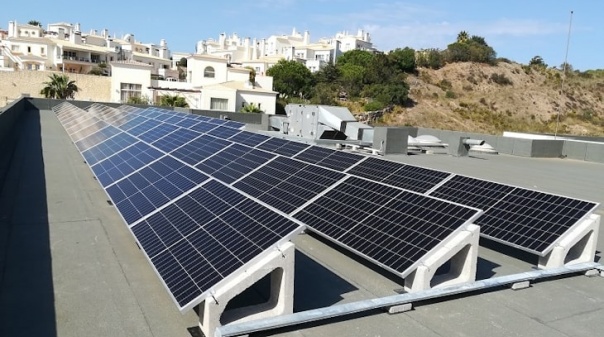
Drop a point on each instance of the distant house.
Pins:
(212, 84)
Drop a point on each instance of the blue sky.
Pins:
(517, 30)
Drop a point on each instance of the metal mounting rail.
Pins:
(238, 329)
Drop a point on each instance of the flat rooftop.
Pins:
(70, 266)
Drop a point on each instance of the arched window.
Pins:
(208, 72)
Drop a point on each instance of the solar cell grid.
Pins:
(287, 184)
(156, 133)
(143, 127)
(200, 149)
(144, 191)
(97, 137)
(223, 132)
(249, 138)
(175, 119)
(133, 123)
(234, 162)
(88, 130)
(337, 160)
(123, 119)
(413, 178)
(175, 139)
(283, 147)
(124, 163)
(530, 220)
(107, 148)
(223, 231)
(203, 127)
(395, 228)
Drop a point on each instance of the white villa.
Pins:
(63, 47)
(212, 84)
(264, 53)
(137, 69)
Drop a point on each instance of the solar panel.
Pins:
(391, 227)
(249, 138)
(143, 127)
(234, 162)
(156, 133)
(89, 130)
(529, 220)
(207, 235)
(175, 139)
(287, 184)
(283, 147)
(107, 148)
(200, 149)
(337, 160)
(124, 163)
(97, 137)
(223, 132)
(409, 177)
(153, 186)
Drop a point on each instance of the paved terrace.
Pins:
(70, 267)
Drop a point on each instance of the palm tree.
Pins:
(59, 87)
(175, 101)
(462, 36)
(252, 107)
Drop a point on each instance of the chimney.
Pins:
(105, 33)
(306, 37)
(76, 29)
(76, 37)
(12, 28)
(222, 40)
(163, 49)
(254, 50)
(263, 47)
(246, 45)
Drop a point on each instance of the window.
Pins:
(219, 104)
(129, 90)
(209, 72)
(28, 49)
(42, 51)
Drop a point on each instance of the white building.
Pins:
(212, 84)
(63, 47)
(263, 53)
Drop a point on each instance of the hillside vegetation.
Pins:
(464, 87)
(506, 97)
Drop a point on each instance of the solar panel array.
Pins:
(195, 230)
(186, 162)
(165, 171)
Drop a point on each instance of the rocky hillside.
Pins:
(507, 97)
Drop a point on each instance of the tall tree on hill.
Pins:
(59, 87)
(404, 59)
(291, 79)
(462, 37)
(34, 23)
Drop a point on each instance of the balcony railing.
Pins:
(80, 59)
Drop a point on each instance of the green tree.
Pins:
(462, 37)
(35, 23)
(356, 57)
(173, 100)
(404, 59)
(430, 58)
(537, 61)
(59, 87)
(352, 77)
(182, 62)
(291, 78)
(327, 74)
(141, 100)
(252, 75)
(252, 107)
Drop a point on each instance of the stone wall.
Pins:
(15, 83)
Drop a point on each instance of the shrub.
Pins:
(445, 85)
(500, 79)
(450, 94)
(373, 106)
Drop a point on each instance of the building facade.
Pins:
(261, 54)
(64, 47)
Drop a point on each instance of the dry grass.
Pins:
(506, 97)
